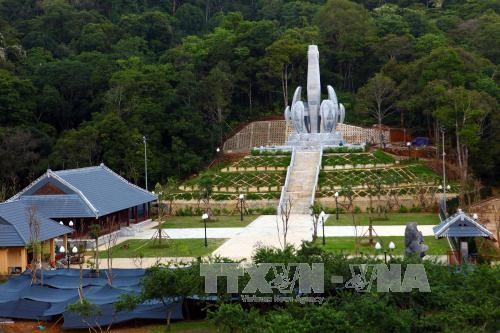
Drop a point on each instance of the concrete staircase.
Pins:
(302, 182)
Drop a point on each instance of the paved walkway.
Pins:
(263, 231)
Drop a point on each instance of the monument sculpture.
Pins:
(314, 121)
(414, 241)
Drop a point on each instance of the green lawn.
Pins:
(169, 248)
(347, 245)
(393, 219)
(223, 221)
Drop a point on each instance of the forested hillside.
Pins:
(81, 81)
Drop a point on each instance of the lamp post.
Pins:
(408, 144)
(322, 217)
(74, 250)
(204, 217)
(443, 188)
(336, 195)
(241, 197)
(145, 162)
(217, 156)
(62, 249)
(443, 131)
(392, 246)
(378, 247)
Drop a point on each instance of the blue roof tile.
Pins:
(59, 205)
(14, 225)
(460, 225)
(89, 192)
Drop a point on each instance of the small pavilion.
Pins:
(82, 197)
(460, 228)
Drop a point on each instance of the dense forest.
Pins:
(82, 81)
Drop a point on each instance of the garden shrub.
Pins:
(333, 150)
(263, 211)
(257, 152)
(186, 211)
(221, 196)
(402, 209)
(415, 209)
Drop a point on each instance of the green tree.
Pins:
(464, 111)
(378, 98)
(287, 53)
(347, 31)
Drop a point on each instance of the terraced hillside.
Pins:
(259, 176)
(373, 172)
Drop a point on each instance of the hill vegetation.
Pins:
(81, 82)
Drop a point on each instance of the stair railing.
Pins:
(284, 189)
(316, 176)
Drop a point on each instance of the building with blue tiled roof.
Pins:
(86, 196)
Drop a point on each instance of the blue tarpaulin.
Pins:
(420, 141)
(21, 299)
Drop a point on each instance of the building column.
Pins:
(4, 262)
(24, 259)
(65, 242)
(52, 247)
(136, 214)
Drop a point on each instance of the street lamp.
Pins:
(204, 217)
(71, 224)
(408, 144)
(61, 223)
(62, 249)
(74, 250)
(145, 162)
(217, 156)
(378, 247)
(444, 188)
(336, 195)
(474, 216)
(241, 197)
(322, 217)
(443, 131)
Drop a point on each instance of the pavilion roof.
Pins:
(460, 225)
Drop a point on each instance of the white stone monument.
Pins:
(315, 123)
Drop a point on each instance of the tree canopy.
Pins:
(83, 81)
